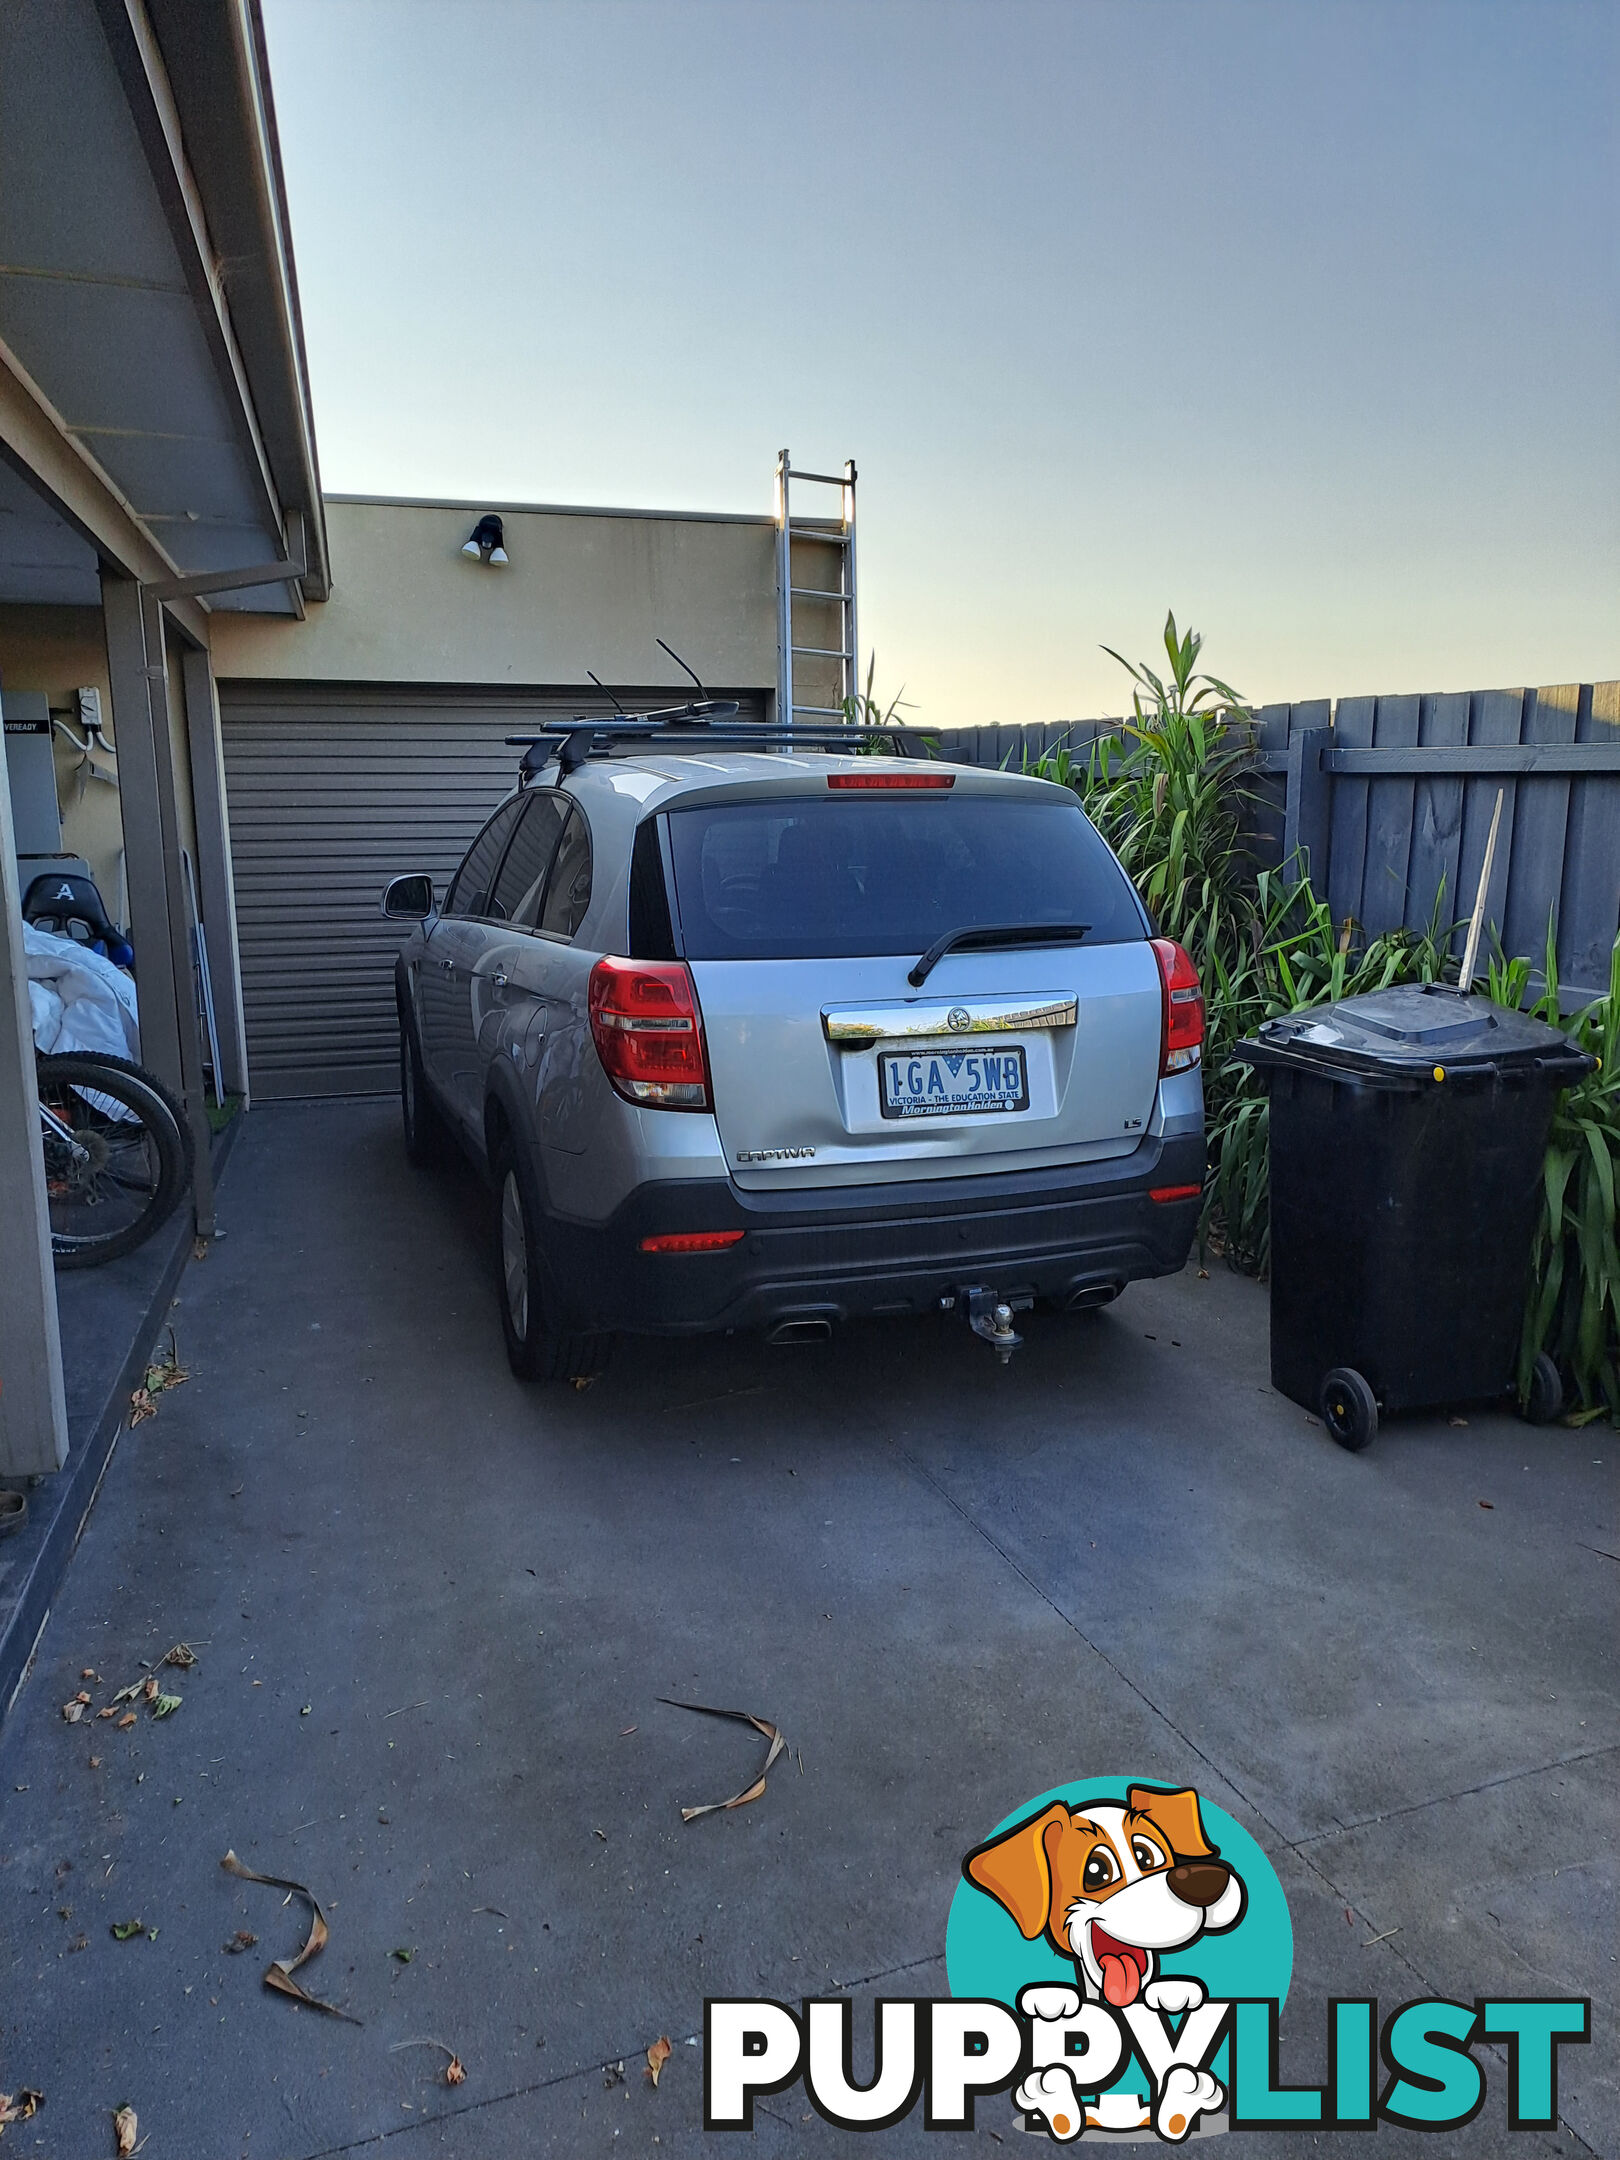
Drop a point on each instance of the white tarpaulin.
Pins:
(78, 1000)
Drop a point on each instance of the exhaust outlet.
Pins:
(809, 1330)
(1091, 1295)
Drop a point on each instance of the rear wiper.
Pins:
(1066, 933)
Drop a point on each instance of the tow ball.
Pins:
(990, 1316)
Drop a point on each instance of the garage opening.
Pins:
(331, 793)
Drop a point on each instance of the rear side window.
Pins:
(840, 878)
(568, 889)
(470, 894)
(652, 936)
(522, 875)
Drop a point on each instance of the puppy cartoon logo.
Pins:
(1133, 1905)
(1113, 1887)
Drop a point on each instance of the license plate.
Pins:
(951, 1083)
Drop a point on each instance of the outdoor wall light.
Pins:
(486, 544)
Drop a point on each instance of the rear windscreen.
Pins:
(837, 879)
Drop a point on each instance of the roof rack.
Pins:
(686, 727)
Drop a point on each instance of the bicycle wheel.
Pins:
(118, 1155)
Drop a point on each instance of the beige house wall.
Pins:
(60, 650)
(585, 591)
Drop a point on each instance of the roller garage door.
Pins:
(332, 793)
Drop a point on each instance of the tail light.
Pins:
(1181, 1035)
(649, 1034)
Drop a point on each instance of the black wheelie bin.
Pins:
(1408, 1129)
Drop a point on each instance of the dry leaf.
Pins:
(149, 1687)
(181, 1655)
(241, 1941)
(454, 2071)
(279, 1972)
(126, 2128)
(126, 1721)
(95, 1762)
(657, 2055)
(128, 1694)
(141, 1407)
(74, 1710)
(126, 1930)
(110, 1711)
(23, 2108)
(763, 1726)
(89, 1674)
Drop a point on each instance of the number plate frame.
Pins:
(909, 1106)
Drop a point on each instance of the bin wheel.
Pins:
(1546, 1396)
(1349, 1407)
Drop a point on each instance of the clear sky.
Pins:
(1300, 316)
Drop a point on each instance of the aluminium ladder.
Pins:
(824, 541)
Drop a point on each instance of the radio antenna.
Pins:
(680, 663)
(606, 692)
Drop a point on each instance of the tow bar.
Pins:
(990, 1316)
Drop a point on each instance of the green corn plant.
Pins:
(1171, 793)
(1573, 1311)
(882, 722)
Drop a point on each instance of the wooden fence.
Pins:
(1388, 800)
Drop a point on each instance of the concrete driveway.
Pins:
(434, 1612)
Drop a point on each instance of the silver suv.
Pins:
(769, 1038)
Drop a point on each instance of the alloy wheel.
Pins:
(515, 1256)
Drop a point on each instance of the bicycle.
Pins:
(118, 1155)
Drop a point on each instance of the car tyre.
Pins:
(536, 1349)
(426, 1135)
(1349, 1407)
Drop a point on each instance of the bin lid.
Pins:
(1413, 1027)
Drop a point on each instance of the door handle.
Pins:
(499, 978)
(449, 966)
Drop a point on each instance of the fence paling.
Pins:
(1389, 800)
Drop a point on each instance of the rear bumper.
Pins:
(875, 1249)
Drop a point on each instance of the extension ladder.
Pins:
(815, 599)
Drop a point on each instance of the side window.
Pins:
(522, 875)
(652, 933)
(470, 893)
(568, 889)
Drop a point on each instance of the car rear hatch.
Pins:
(803, 917)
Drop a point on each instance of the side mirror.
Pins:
(409, 899)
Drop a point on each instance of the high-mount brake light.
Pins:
(688, 1241)
(891, 780)
(1181, 1033)
(648, 1033)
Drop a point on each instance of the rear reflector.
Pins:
(1181, 1037)
(692, 1241)
(1161, 1193)
(891, 780)
(648, 1033)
